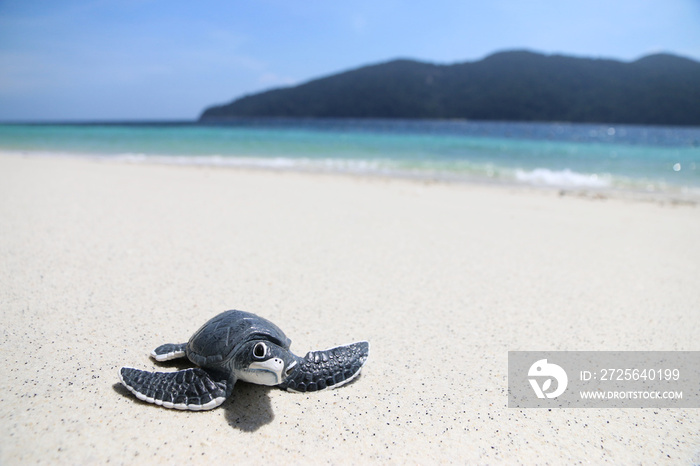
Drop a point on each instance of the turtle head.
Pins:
(263, 362)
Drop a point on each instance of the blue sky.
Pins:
(153, 59)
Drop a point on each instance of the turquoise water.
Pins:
(657, 159)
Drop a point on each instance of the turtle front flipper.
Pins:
(192, 389)
(319, 370)
(169, 351)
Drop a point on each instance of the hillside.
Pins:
(516, 86)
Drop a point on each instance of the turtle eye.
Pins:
(260, 350)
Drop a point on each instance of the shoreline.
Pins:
(102, 262)
(675, 196)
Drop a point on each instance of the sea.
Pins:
(597, 158)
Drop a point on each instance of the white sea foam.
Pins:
(274, 163)
(537, 177)
(562, 178)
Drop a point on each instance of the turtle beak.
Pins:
(269, 372)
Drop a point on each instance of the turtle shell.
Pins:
(219, 338)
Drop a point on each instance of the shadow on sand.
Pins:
(249, 408)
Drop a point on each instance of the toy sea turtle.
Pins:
(237, 345)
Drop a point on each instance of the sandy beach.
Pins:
(100, 262)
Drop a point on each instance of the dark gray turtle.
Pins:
(237, 345)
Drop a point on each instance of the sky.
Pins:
(83, 60)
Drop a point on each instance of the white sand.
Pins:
(100, 262)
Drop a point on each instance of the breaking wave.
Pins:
(562, 178)
(538, 177)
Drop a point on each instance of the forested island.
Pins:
(658, 89)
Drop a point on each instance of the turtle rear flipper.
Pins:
(169, 351)
(320, 370)
(192, 389)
